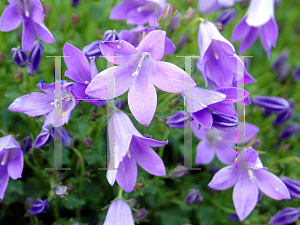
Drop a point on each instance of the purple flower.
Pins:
(130, 148)
(179, 171)
(289, 130)
(283, 116)
(293, 186)
(75, 2)
(193, 197)
(61, 191)
(19, 56)
(119, 212)
(181, 119)
(218, 64)
(175, 22)
(220, 142)
(247, 178)
(138, 12)
(286, 216)
(205, 6)
(140, 214)
(39, 206)
(224, 122)
(280, 61)
(38, 104)
(30, 12)
(226, 17)
(139, 70)
(259, 20)
(35, 57)
(135, 35)
(12, 161)
(81, 72)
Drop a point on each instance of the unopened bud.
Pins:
(175, 22)
(119, 103)
(296, 74)
(226, 17)
(167, 11)
(189, 14)
(280, 61)
(27, 144)
(182, 41)
(111, 35)
(35, 57)
(75, 19)
(181, 119)
(88, 142)
(283, 71)
(179, 171)
(140, 214)
(224, 122)
(193, 197)
(75, 2)
(289, 131)
(19, 56)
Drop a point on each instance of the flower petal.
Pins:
(245, 194)
(205, 152)
(171, 78)
(240, 30)
(199, 133)
(38, 15)
(225, 152)
(151, 142)
(28, 36)
(15, 166)
(118, 52)
(34, 104)
(119, 213)
(203, 117)
(77, 63)
(248, 40)
(4, 180)
(154, 43)
(225, 178)
(10, 18)
(142, 98)
(126, 177)
(120, 11)
(147, 158)
(110, 83)
(271, 185)
(44, 33)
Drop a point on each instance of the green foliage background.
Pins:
(162, 197)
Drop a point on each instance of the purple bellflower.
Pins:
(135, 35)
(247, 178)
(259, 20)
(221, 142)
(139, 70)
(81, 72)
(226, 17)
(286, 216)
(138, 12)
(119, 213)
(38, 104)
(30, 12)
(181, 119)
(193, 197)
(129, 148)
(209, 6)
(273, 104)
(12, 161)
(218, 63)
(293, 186)
(289, 131)
(39, 206)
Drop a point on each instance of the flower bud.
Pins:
(289, 131)
(19, 56)
(61, 191)
(111, 35)
(283, 116)
(224, 122)
(286, 216)
(74, 19)
(280, 61)
(296, 74)
(35, 57)
(283, 71)
(256, 143)
(293, 186)
(92, 49)
(182, 41)
(39, 206)
(273, 104)
(140, 214)
(189, 14)
(175, 22)
(226, 17)
(119, 103)
(193, 197)
(88, 142)
(75, 2)
(233, 217)
(181, 119)
(166, 12)
(27, 144)
(292, 103)
(179, 171)
(45, 137)
(214, 168)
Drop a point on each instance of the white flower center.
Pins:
(138, 60)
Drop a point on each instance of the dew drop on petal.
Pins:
(118, 46)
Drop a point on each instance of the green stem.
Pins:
(223, 208)
(82, 166)
(120, 192)
(162, 148)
